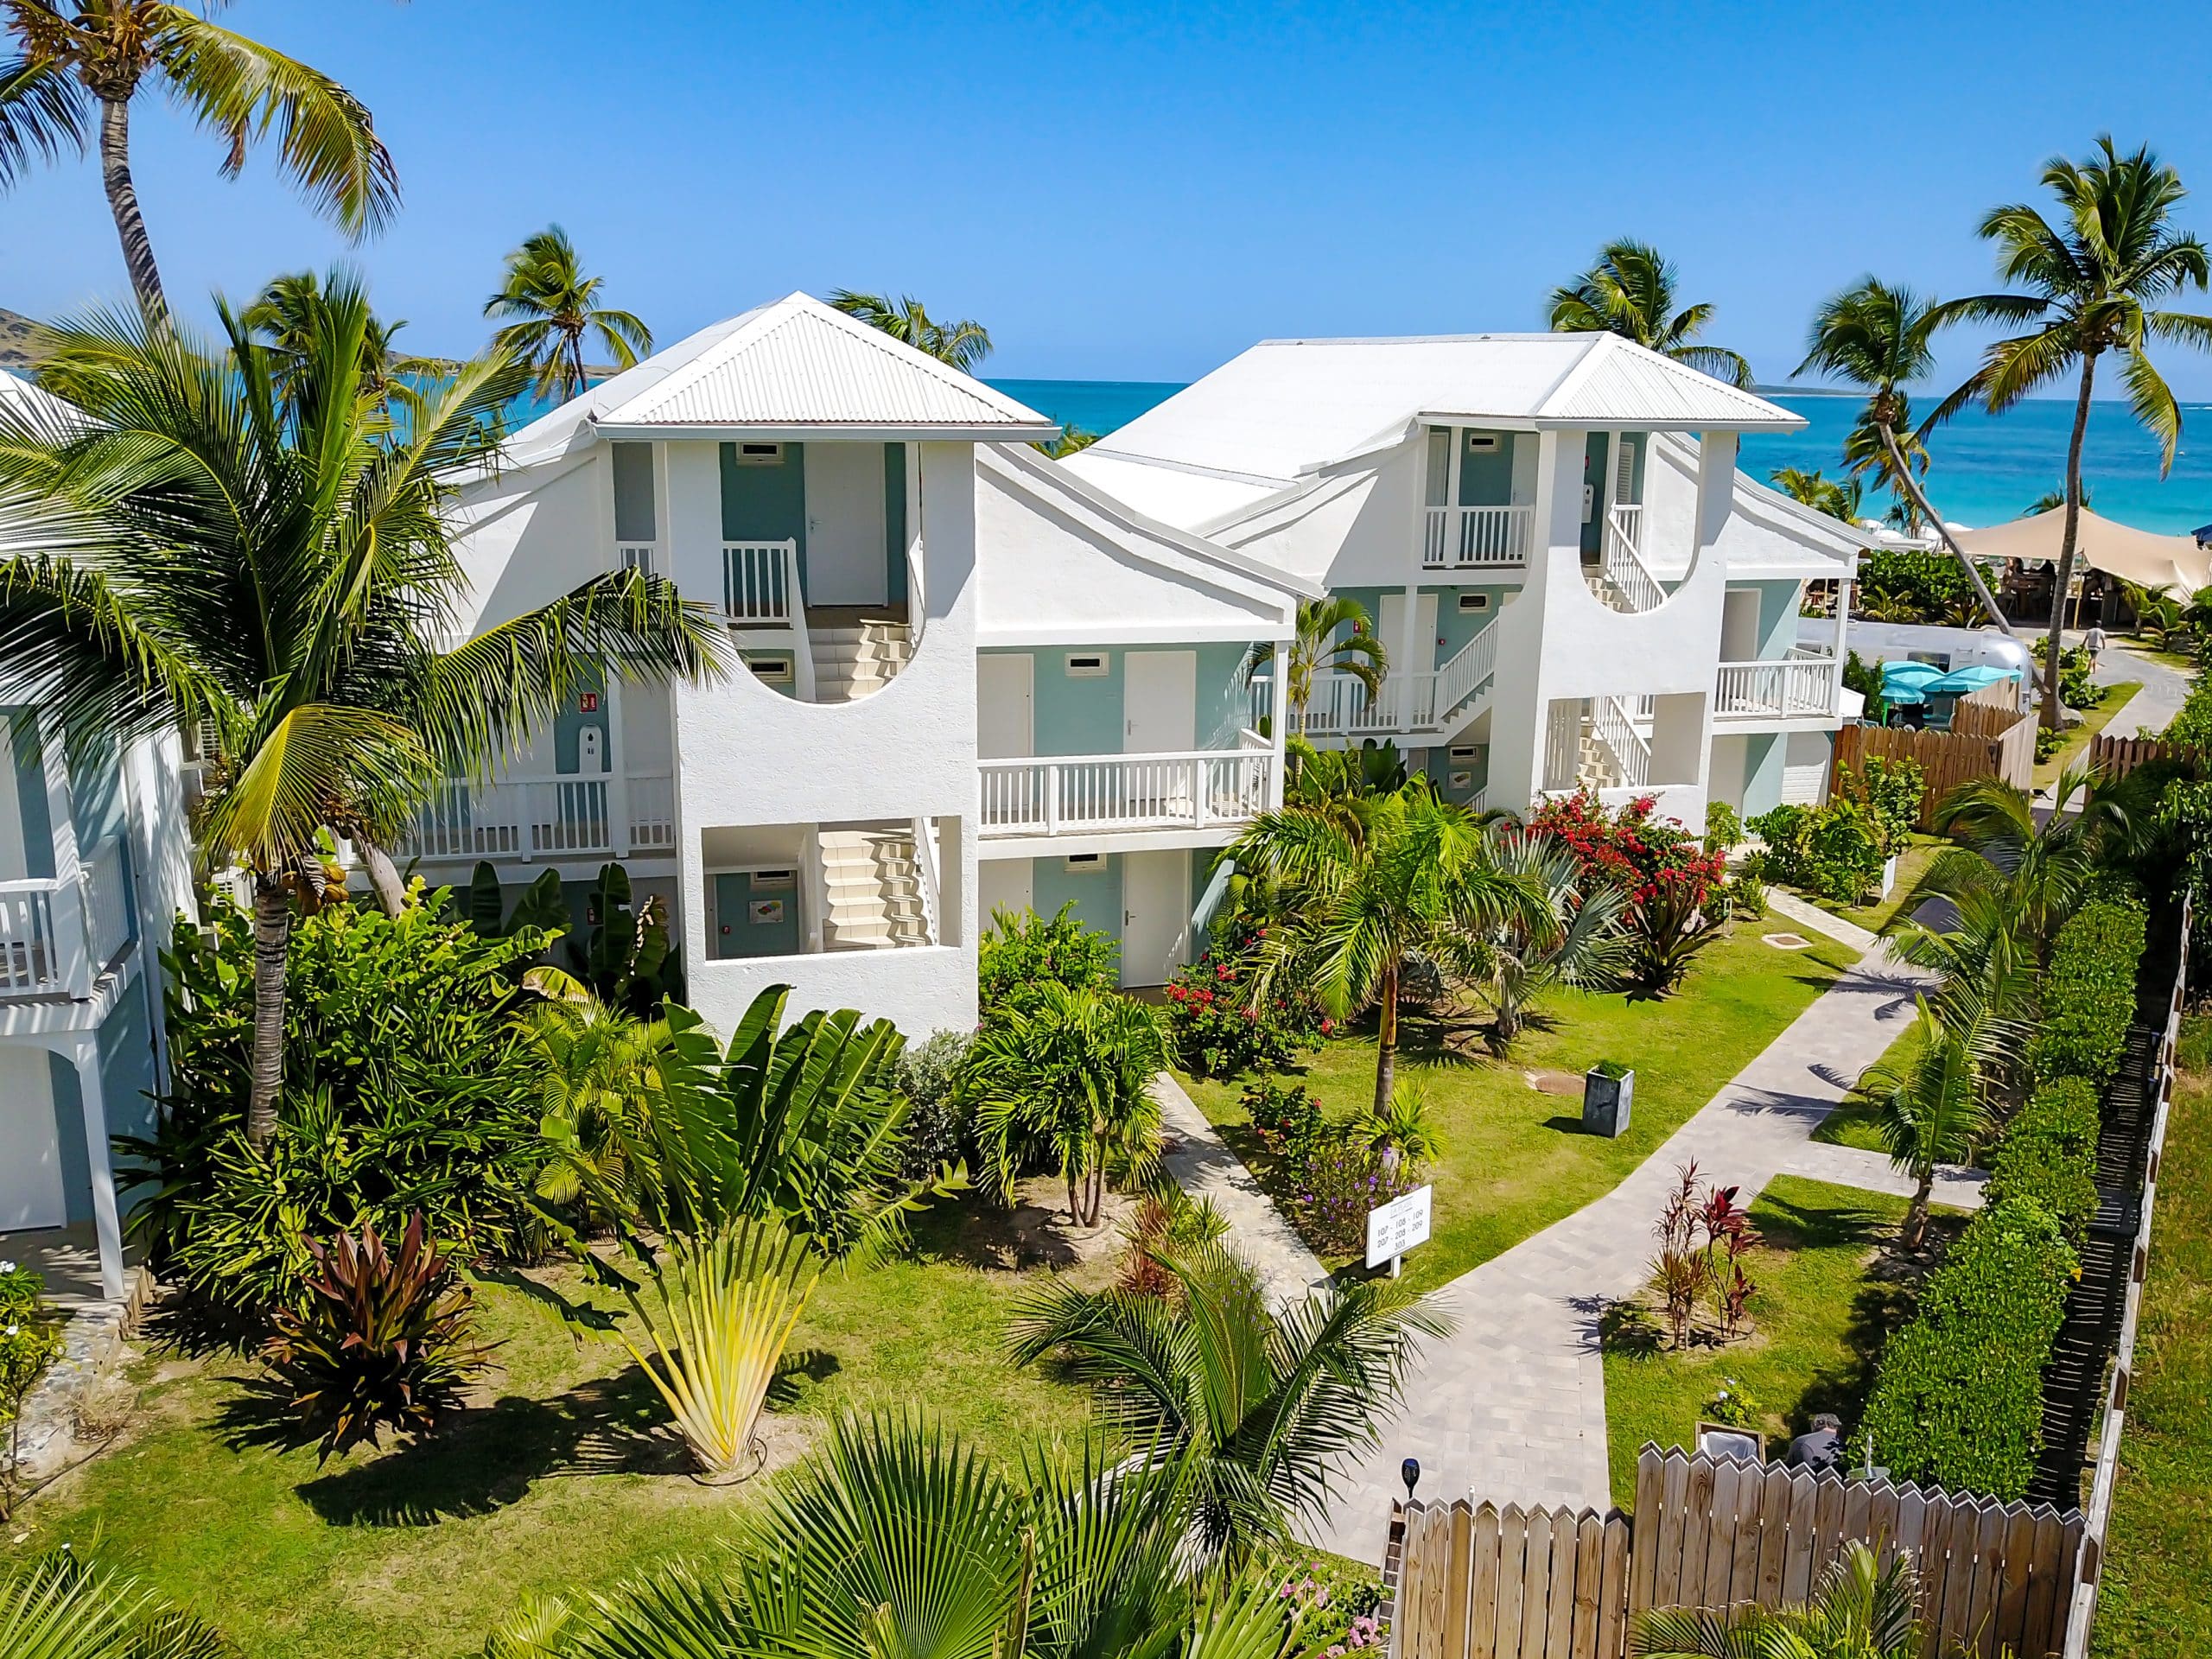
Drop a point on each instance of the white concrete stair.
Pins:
(852, 659)
(874, 888)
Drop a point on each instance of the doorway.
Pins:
(1155, 915)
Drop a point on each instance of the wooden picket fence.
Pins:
(1474, 1581)
(2115, 757)
(1946, 759)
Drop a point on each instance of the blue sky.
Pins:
(1132, 191)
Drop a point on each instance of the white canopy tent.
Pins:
(2173, 565)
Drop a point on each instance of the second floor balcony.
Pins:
(529, 820)
(59, 935)
(1806, 685)
(1077, 794)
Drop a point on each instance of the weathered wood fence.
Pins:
(1988, 738)
(2115, 757)
(1478, 1582)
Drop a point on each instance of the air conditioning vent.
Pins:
(1465, 751)
(1087, 667)
(760, 455)
(775, 670)
(1085, 863)
(1471, 602)
(1482, 443)
(774, 881)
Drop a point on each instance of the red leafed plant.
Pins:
(385, 1342)
(1669, 876)
(1703, 1236)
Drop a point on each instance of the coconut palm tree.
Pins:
(554, 305)
(896, 1539)
(223, 537)
(1264, 1404)
(1067, 1074)
(1580, 943)
(1934, 1103)
(1631, 291)
(1837, 499)
(963, 345)
(285, 314)
(1860, 1610)
(2095, 282)
(1333, 636)
(1369, 888)
(2052, 500)
(1880, 338)
(78, 62)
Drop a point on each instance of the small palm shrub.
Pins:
(384, 1342)
(1860, 1610)
(723, 1306)
(1168, 1222)
(1404, 1130)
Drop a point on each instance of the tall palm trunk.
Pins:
(1916, 1215)
(576, 359)
(123, 202)
(272, 939)
(2052, 713)
(384, 875)
(1386, 1039)
(1904, 471)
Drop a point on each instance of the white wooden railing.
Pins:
(760, 583)
(644, 557)
(1610, 718)
(1341, 706)
(566, 817)
(1065, 794)
(1625, 582)
(1461, 538)
(107, 901)
(30, 954)
(926, 873)
(1803, 683)
(1465, 672)
(56, 937)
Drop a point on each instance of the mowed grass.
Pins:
(2093, 722)
(1514, 1159)
(418, 1550)
(1856, 1123)
(2157, 1598)
(1820, 1319)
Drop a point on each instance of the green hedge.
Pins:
(1958, 1402)
(2049, 1154)
(2087, 993)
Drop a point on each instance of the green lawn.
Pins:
(417, 1550)
(1820, 1317)
(2156, 1599)
(2093, 722)
(1515, 1160)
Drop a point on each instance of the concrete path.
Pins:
(2159, 700)
(1960, 1188)
(1512, 1405)
(1806, 913)
(1204, 1167)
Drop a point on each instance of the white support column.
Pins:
(1279, 721)
(107, 1221)
(1716, 487)
(617, 769)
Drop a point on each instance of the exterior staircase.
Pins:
(855, 654)
(874, 890)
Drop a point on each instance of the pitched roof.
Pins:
(792, 368)
(1289, 407)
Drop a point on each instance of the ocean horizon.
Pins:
(1984, 469)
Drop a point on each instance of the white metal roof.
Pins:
(1287, 407)
(793, 368)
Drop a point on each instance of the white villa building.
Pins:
(978, 677)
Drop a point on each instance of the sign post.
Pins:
(1397, 1227)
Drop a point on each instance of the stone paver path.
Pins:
(1512, 1405)
(1856, 1167)
(1806, 913)
(1206, 1168)
(2159, 700)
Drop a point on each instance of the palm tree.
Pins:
(1370, 888)
(1838, 499)
(2095, 281)
(1860, 1610)
(62, 1606)
(555, 305)
(1333, 636)
(1629, 291)
(76, 60)
(1580, 941)
(1067, 1073)
(284, 315)
(2052, 500)
(1071, 439)
(898, 1540)
(1880, 338)
(2049, 860)
(964, 344)
(1263, 1404)
(250, 544)
(1934, 1103)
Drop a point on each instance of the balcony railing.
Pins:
(760, 587)
(530, 818)
(1804, 683)
(1477, 538)
(1341, 706)
(1073, 794)
(56, 937)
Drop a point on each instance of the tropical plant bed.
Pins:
(1912, 864)
(2077, 737)
(2156, 1598)
(555, 1477)
(1830, 1289)
(1514, 1159)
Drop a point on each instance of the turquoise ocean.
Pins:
(1985, 469)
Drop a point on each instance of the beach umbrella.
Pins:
(1963, 682)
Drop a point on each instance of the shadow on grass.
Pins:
(1883, 1302)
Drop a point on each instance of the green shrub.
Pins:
(1286, 1116)
(1724, 826)
(2049, 1154)
(2049, 741)
(2088, 993)
(935, 1130)
(1217, 1031)
(1019, 952)
(1958, 1400)
(1837, 849)
(407, 1088)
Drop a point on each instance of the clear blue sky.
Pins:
(1133, 192)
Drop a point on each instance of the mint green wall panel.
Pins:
(1778, 617)
(1763, 753)
(736, 934)
(894, 522)
(1596, 451)
(1486, 477)
(1083, 714)
(764, 503)
(568, 727)
(635, 517)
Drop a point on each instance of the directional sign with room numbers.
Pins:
(1398, 1226)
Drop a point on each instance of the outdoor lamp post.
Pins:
(1409, 1471)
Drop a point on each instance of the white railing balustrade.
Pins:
(1627, 581)
(652, 812)
(760, 583)
(31, 962)
(1615, 728)
(1469, 669)
(107, 901)
(1778, 689)
(1462, 538)
(1049, 796)
(644, 557)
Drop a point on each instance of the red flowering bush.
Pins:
(1219, 1032)
(1631, 849)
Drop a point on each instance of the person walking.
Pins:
(2094, 642)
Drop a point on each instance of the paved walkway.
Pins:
(1872, 1171)
(1806, 913)
(2159, 700)
(1206, 1168)
(1512, 1405)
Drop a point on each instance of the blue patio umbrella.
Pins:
(1907, 682)
(1961, 681)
